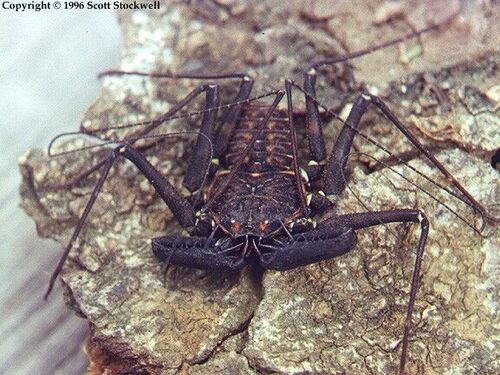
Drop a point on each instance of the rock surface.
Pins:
(340, 315)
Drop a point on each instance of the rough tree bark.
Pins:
(340, 315)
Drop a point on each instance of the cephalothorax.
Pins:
(250, 201)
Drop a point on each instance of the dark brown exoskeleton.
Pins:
(255, 205)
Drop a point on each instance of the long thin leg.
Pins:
(179, 206)
(368, 219)
(368, 50)
(333, 177)
(334, 173)
(231, 118)
(232, 115)
(107, 167)
(220, 141)
(313, 120)
(293, 139)
(203, 151)
(313, 171)
(449, 177)
(173, 75)
(132, 138)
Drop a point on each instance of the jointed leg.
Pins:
(209, 146)
(314, 202)
(132, 138)
(313, 120)
(203, 151)
(449, 177)
(232, 115)
(173, 75)
(179, 206)
(231, 118)
(333, 177)
(293, 140)
(368, 219)
(333, 174)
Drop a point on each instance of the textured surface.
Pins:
(348, 313)
(339, 315)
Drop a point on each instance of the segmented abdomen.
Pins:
(272, 150)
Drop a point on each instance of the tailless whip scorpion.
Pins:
(251, 201)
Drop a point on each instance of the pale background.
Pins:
(49, 61)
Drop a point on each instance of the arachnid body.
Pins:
(257, 205)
